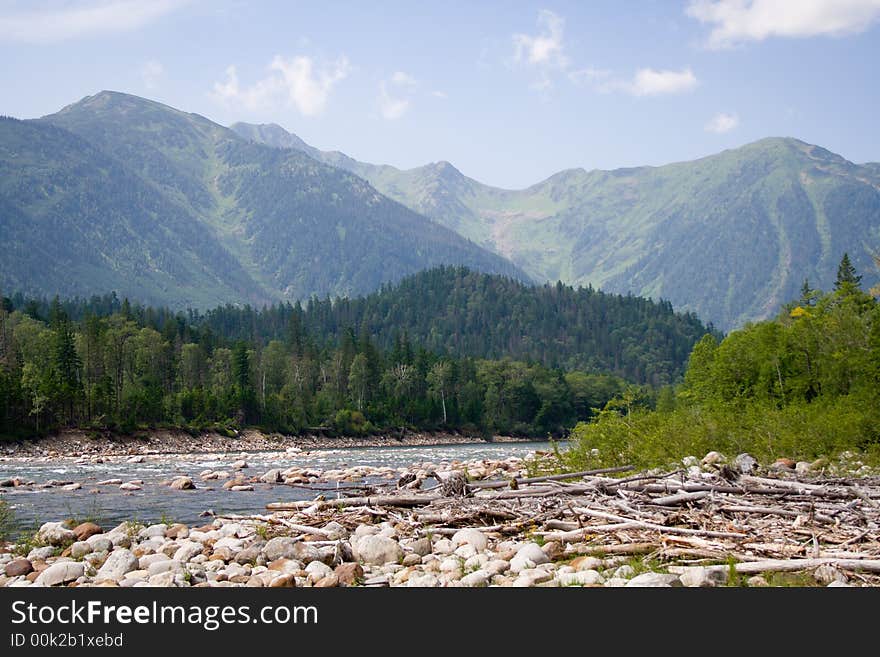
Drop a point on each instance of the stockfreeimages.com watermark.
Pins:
(210, 617)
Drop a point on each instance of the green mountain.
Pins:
(119, 192)
(731, 236)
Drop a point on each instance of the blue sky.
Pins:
(509, 92)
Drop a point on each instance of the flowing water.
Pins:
(109, 506)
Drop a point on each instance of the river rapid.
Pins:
(108, 505)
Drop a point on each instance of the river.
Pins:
(107, 505)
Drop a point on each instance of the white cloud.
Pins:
(544, 49)
(403, 79)
(395, 95)
(82, 19)
(738, 21)
(151, 73)
(391, 107)
(295, 82)
(442, 95)
(650, 82)
(722, 122)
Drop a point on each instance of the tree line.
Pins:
(341, 367)
(802, 385)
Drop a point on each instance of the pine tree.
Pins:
(846, 275)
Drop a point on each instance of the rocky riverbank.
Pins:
(711, 522)
(75, 443)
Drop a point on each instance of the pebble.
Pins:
(654, 580)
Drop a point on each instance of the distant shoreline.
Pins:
(79, 443)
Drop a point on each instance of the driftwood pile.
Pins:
(779, 522)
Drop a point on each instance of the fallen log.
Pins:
(793, 565)
(512, 483)
(660, 528)
(378, 500)
(680, 498)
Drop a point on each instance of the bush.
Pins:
(799, 431)
(7, 521)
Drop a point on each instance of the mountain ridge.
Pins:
(260, 224)
(750, 223)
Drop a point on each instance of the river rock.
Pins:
(837, 583)
(654, 580)
(165, 566)
(378, 550)
(108, 482)
(86, 530)
(473, 537)
(698, 576)
(327, 582)
(581, 578)
(135, 459)
(826, 574)
(528, 556)
(130, 486)
(745, 463)
(318, 570)
(248, 555)
(478, 578)
(586, 563)
(273, 476)
(241, 488)
(182, 483)
(55, 533)
(411, 560)
(421, 546)
(18, 568)
(802, 468)
(349, 574)
(41, 553)
(783, 463)
(61, 573)
(100, 543)
(280, 547)
(283, 582)
(624, 572)
(120, 562)
(423, 581)
(335, 531)
(72, 487)
(239, 465)
(713, 458)
(80, 549)
(187, 551)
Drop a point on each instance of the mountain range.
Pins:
(116, 192)
(731, 236)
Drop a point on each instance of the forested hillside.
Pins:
(118, 192)
(730, 236)
(447, 348)
(803, 385)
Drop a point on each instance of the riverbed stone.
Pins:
(182, 483)
(478, 578)
(473, 537)
(130, 486)
(280, 547)
(60, 573)
(273, 476)
(168, 565)
(654, 580)
(421, 546)
(586, 563)
(423, 581)
(55, 533)
(120, 562)
(86, 530)
(528, 556)
(412, 560)
(699, 577)
(349, 574)
(581, 578)
(80, 549)
(187, 551)
(378, 550)
(745, 463)
(18, 567)
(41, 553)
